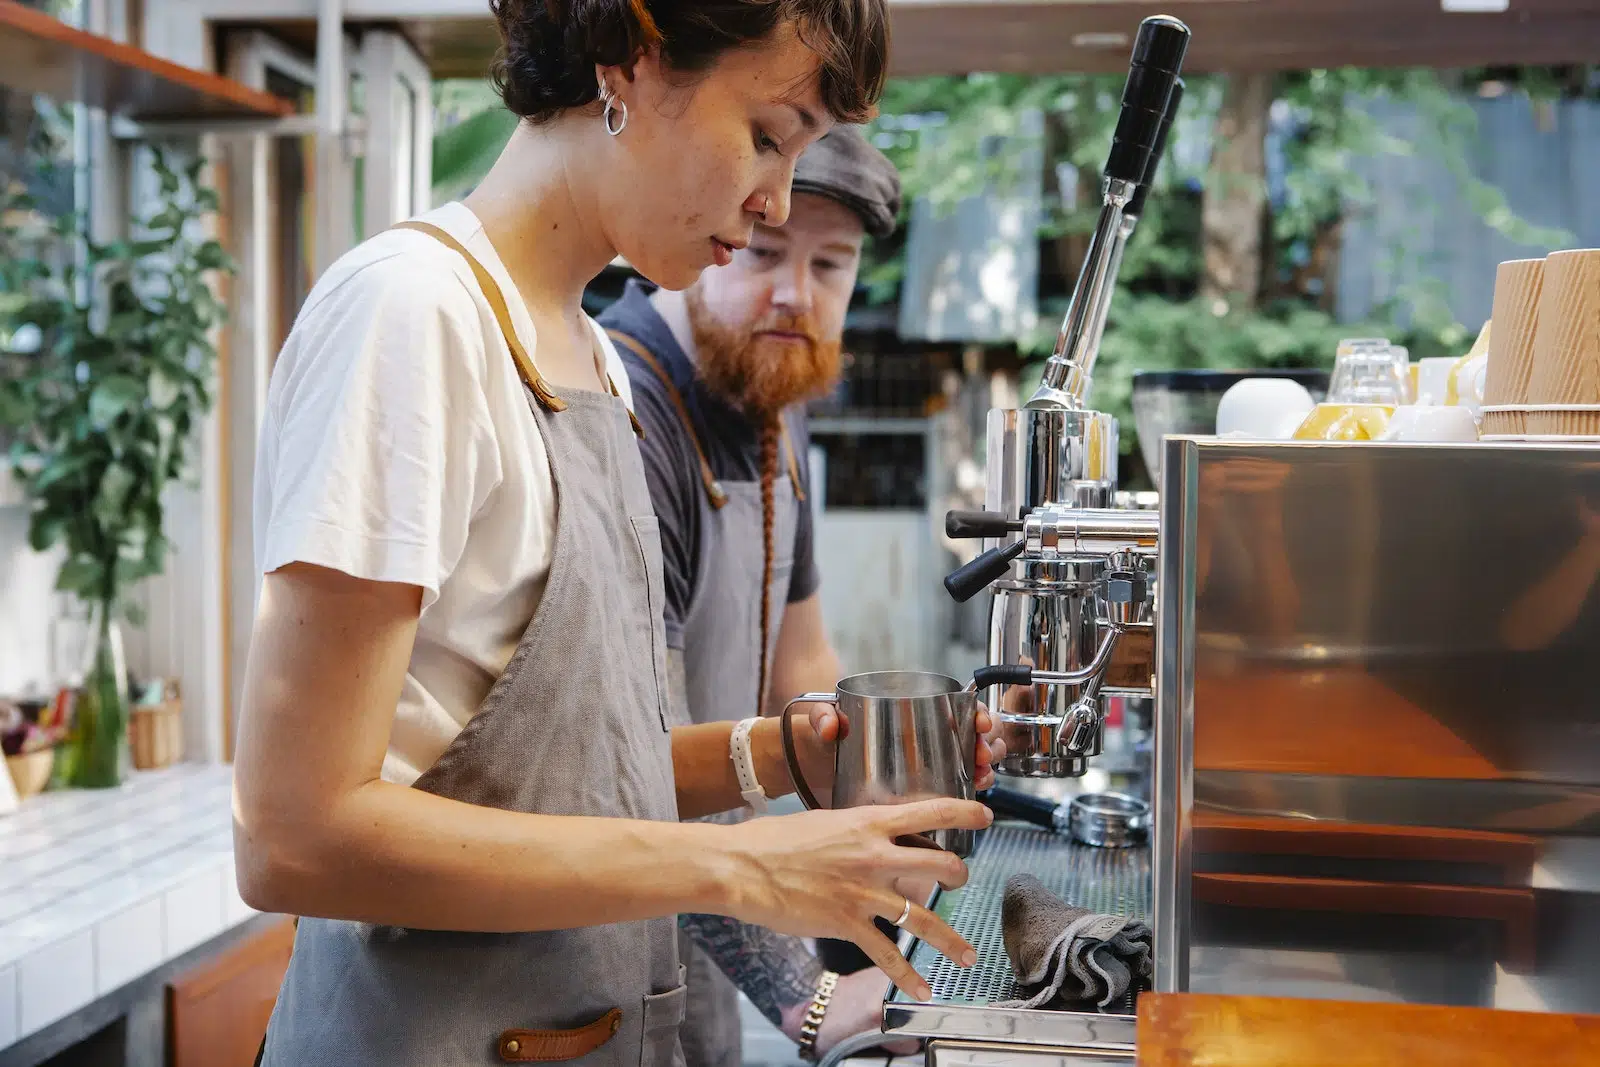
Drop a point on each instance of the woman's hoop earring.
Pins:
(615, 107)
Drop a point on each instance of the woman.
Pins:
(454, 750)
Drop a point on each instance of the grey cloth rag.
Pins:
(844, 166)
(1070, 957)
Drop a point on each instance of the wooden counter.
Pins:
(1197, 1030)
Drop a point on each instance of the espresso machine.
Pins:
(1073, 576)
(1073, 579)
(1375, 757)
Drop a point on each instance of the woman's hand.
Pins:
(831, 873)
(815, 748)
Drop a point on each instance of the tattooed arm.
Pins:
(775, 971)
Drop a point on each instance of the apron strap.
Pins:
(794, 466)
(502, 315)
(713, 489)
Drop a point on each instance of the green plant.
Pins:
(107, 375)
(474, 127)
(935, 130)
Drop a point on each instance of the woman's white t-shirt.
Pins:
(397, 446)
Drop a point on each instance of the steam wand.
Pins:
(1157, 58)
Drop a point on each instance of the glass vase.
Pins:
(100, 725)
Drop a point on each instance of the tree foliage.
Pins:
(936, 130)
(473, 126)
(942, 133)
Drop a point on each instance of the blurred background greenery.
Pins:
(1235, 263)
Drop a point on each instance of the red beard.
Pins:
(759, 374)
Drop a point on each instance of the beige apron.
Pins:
(722, 666)
(577, 725)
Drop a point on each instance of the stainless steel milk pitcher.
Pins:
(905, 736)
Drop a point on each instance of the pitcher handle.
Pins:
(807, 797)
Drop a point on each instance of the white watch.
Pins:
(744, 766)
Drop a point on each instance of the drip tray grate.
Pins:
(1115, 881)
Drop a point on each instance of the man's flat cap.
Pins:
(842, 165)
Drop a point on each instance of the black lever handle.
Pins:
(1136, 205)
(1157, 61)
(978, 524)
(1002, 674)
(964, 584)
(1015, 804)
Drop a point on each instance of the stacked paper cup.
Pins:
(1518, 284)
(1564, 389)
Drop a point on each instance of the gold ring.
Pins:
(904, 915)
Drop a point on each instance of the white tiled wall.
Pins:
(100, 887)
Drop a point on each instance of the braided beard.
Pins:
(759, 374)
(769, 476)
(762, 376)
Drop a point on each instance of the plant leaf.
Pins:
(81, 576)
(164, 390)
(210, 256)
(44, 529)
(112, 397)
(115, 484)
(58, 468)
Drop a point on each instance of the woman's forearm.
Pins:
(398, 856)
(704, 771)
(317, 832)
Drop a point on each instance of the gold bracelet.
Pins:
(813, 1021)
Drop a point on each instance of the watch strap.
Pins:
(744, 766)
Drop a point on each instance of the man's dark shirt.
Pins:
(731, 446)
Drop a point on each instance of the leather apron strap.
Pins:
(714, 491)
(502, 315)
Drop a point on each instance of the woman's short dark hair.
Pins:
(550, 47)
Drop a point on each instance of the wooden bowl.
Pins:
(31, 771)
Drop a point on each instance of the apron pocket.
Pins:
(647, 532)
(663, 1016)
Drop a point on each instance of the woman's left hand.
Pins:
(816, 748)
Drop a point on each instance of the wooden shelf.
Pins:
(1060, 36)
(42, 54)
(951, 36)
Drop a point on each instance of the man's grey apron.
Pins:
(577, 725)
(722, 667)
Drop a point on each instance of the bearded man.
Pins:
(720, 374)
